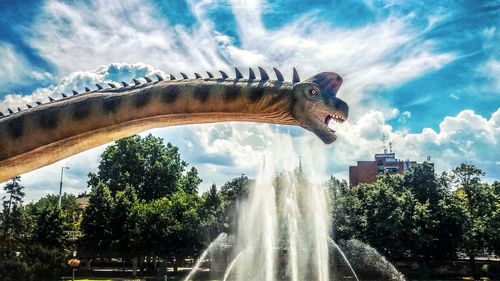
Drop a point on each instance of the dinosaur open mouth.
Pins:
(338, 117)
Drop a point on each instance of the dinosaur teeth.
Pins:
(336, 117)
(136, 82)
(327, 122)
(210, 75)
(99, 87)
(159, 77)
(112, 85)
(125, 84)
(184, 76)
(172, 77)
(148, 80)
(197, 75)
(87, 89)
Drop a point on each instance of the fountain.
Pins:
(283, 234)
(214, 247)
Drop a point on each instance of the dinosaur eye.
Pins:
(313, 91)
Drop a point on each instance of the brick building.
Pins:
(367, 171)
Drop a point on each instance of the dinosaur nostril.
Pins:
(339, 78)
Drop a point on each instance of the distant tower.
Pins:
(390, 147)
(300, 163)
(383, 140)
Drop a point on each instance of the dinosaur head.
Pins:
(316, 104)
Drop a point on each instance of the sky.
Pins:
(426, 74)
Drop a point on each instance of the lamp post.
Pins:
(60, 184)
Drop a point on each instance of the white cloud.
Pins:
(77, 81)
(491, 67)
(47, 179)
(15, 70)
(84, 40)
(465, 137)
(491, 70)
(80, 36)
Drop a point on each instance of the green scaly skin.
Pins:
(49, 132)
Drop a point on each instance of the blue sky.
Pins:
(425, 73)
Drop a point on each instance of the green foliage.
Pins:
(421, 215)
(33, 247)
(96, 222)
(383, 214)
(11, 216)
(134, 202)
(168, 227)
(480, 206)
(71, 214)
(231, 193)
(122, 226)
(211, 212)
(153, 169)
(410, 215)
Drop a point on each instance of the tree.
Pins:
(336, 190)
(231, 193)
(478, 202)
(12, 228)
(494, 238)
(422, 182)
(152, 168)
(169, 227)
(438, 217)
(190, 182)
(122, 226)
(95, 225)
(184, 230)
(35, 247)
(49, 230)
(394, 214)
(70, 210)
(211, 213)
(11, 215)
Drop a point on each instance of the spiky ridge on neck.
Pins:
(50, 132)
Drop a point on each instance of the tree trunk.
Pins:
(141, 263)
(475, 274)
(176, 266)
(134, 266)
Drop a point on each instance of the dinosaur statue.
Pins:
(46, 133)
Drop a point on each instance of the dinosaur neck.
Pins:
(50, 132)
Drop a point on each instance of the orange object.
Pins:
(73, 262)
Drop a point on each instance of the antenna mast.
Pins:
(383, 140)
